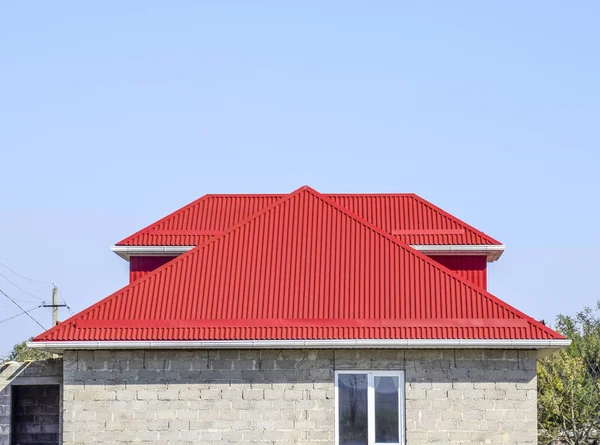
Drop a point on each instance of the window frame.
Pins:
(371, 374)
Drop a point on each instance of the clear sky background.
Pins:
(113, 114)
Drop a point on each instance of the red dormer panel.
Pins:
(140, 266)
(472, 268)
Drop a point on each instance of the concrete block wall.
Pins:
(47, 372)
(287, 396)
(36, 414)
(5, 410)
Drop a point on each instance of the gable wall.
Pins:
(284, 397)
(140, 266)
(472, 268)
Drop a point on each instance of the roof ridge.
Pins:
(455, 219)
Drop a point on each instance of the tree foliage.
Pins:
(22, 353)
(569, 383)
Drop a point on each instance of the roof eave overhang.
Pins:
(126, 252)
(491, 252)
(544, 347)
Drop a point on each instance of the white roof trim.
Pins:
(544, 346)
(126, 252)
(492, 252)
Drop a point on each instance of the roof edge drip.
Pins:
(492, 252)
(543, 346)
(126, 252)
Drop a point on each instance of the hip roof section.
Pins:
(302, 267)
(407, 217)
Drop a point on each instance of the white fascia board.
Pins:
(126, 252)
(492, 252)
(545, 345)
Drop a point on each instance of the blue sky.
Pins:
(114, 114)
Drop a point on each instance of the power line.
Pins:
(38, 290)
(23, 310)
(9, 304)
(29, 293)
(20, 300)
(23, 276)
(65, 301)
(20, 288)
(18, 315)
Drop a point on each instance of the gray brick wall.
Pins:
(47, 372)
(35, 414)
(284, 397)
(5, 400)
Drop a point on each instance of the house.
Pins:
(302, 318)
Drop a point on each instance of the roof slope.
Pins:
(412, 219)
(301, 268)
(199, 221)
(406, 216)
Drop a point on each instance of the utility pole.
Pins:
(54, 305)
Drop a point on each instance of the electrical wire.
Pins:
(65, 301)
(23, 310)
(33, 281)
(23, 276)
(20, 300)
(20, 288)
(18, 315)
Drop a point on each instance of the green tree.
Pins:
(569, 382)
(21, 353)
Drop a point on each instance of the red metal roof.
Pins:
(303, 267)
(405, 216)
(412, 219)
(199, 221)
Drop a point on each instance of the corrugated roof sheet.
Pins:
(303, 267)
(412, 219)
(406, 216)
(200, 221)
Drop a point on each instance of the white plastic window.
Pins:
(369, 407)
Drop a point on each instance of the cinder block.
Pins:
(293, 394)
(253, 394)
(171, 394)
(242, 396)
(157, 425)
(273, 394)
(208, 415)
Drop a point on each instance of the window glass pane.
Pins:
(386, 410)
(352, 405)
